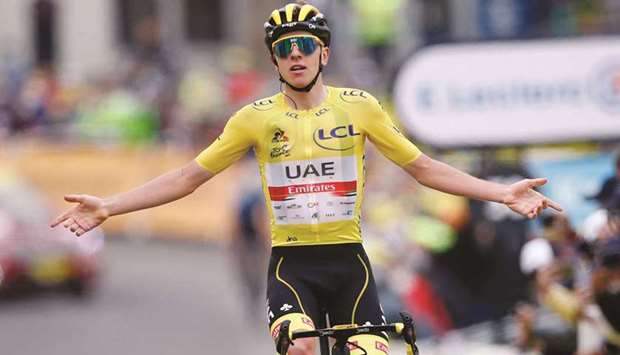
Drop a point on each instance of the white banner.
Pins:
(501, 93)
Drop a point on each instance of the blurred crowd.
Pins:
(575, 275)
(149, 96)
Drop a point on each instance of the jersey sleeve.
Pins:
(384, 134)
(229, 147)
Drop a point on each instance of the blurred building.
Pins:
(79, 38)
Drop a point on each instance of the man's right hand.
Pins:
(88, 214)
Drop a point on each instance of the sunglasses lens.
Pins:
(306, 45)
(283, 48)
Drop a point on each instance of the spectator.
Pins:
(554, 251)
(595, 311)
(609, 185)
(595, 225)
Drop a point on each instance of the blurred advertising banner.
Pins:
(505, 93)
(58, 169)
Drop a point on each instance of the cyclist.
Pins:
(309, 142)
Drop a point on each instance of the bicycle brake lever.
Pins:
(283, 341)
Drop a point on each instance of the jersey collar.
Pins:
(281, 103)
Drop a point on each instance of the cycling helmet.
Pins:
(295, 17)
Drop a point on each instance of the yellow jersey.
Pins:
(311, 162)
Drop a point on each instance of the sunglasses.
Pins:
(306, 45)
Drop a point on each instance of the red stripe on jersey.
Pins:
(339, 188)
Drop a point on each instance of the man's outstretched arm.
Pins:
(520, 196)
(91, 211)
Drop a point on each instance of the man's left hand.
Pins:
(523, 199)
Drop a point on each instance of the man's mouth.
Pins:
(297, 67)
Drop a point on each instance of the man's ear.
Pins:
(325, 56)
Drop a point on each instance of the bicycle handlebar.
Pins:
(346, 331)
(343, 332)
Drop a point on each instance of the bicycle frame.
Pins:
(341, 334)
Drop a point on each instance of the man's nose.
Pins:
(295, 52)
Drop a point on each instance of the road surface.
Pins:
(154, 298)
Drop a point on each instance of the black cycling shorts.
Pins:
(310, 280)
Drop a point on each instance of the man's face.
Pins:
(298, 69)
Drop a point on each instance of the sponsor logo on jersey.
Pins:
(317, 187)
(281, 146)
(340, 188)
(279, 151)
(336, 132)
(286, 307)
(292, 115)
(302, 171)
(339, 138)
(279, 136)
(263, 105)
(321, 112)
(353, 96)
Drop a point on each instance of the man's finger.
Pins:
(79, 232)
(74, 227)
(81, 223)
(74, 198)
(536, 182)
(68, 222)
(556, 206)
(59, 219)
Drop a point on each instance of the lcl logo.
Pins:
(337, 132)
(263, 105)
(353, 96)
(338, 138)
(359, 93)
